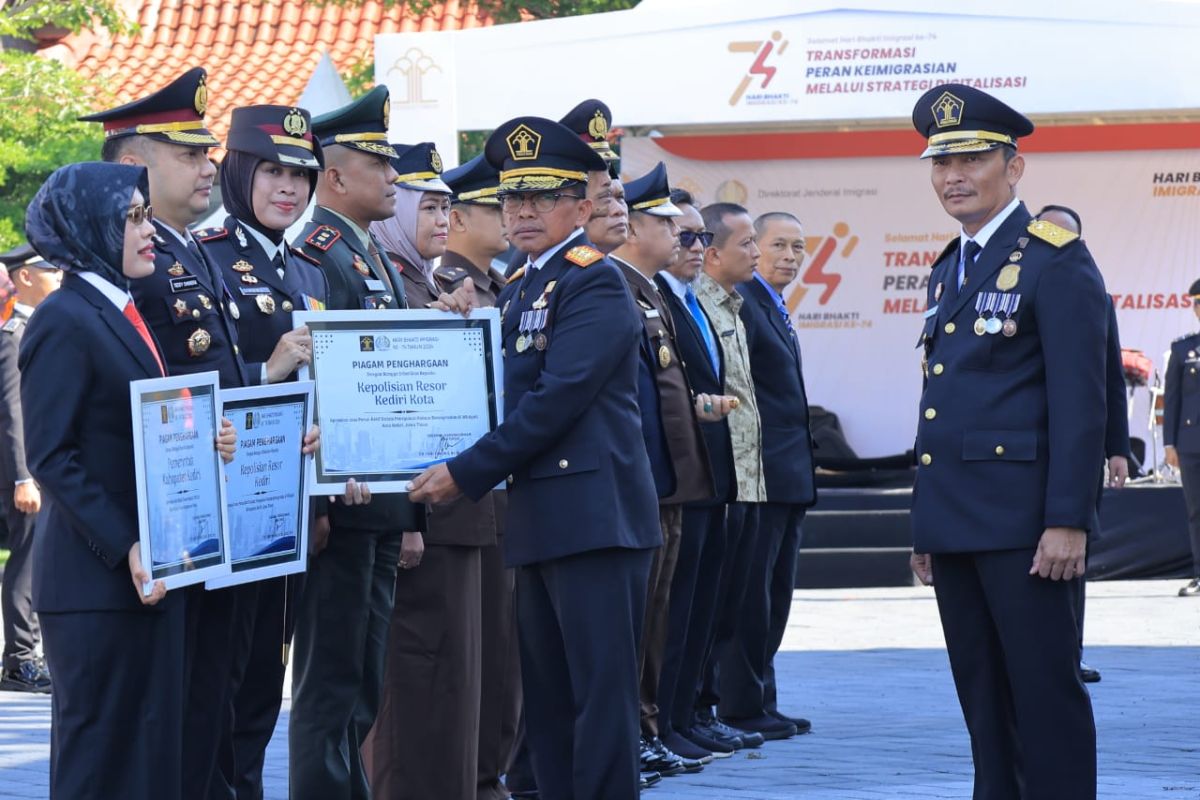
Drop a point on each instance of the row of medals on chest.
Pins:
(992, 306)
(200, 340)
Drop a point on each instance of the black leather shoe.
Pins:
(649, 779)
(802, 725)
(767, 726)
(749, 739)
(1192, 589)
(686, 749)
(1088, 674)
(702, 737)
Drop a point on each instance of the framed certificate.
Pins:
(266, 497)
(398, 391)
(180, 479)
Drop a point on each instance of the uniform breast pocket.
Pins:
(553, 465)
(1000, 446)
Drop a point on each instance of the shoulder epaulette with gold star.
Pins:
(310, 259)
(583, 255)
(1049, 232)
(516, 276)
(209, 234)
(323, 237)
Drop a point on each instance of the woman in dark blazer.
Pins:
(116, 654)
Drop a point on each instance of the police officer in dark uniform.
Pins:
(582, 520)
(670, 427)
(187, 305)
(1009, 444)
(476, 237)
(1181, 430)
(342, 624)
(23, 670)
(266, 179)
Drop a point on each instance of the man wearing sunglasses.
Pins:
(1181, 430)
(582, 516)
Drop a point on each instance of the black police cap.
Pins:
(23, 255)
(360, 125)
(651, 194)
(173, 114)
(1194, 289)
(474, 182)
(591, 121)
(419, 167)
(956, 118)
(535, 154)
(281, 134)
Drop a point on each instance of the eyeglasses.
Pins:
(688, 238)
(1196, 301)
(542, 202)
(139, 214)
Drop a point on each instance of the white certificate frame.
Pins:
(382, 323)
(204, 390)
(238, 405)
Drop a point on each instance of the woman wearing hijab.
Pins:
(116, 654)
(425, 742)
(267, 178)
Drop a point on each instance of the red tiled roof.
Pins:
(255, 51)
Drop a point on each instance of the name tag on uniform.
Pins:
(652, 313)
(250, 291)
(930, 313)
(184, 284)
(374, 285)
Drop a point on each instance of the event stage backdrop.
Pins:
(874, 227)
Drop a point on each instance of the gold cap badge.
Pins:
(524, 143)
(201, 99)
(294, 123)
(435, 161)
(598, 126)
(948, 110)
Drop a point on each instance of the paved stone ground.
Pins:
(868, 667)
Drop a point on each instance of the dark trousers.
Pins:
(1014, 653)
(341, 638)
(258, 677)
(116, 713)
(21, 632)
(697, 575)
(1189, 476)
(425, 742)
(654, 627)
(519, 777)
(212, 621)
(747, 672)
(741, 538)
(579, 623)
(500, 695)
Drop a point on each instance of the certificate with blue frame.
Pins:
(180, 479)
(266, 494)
(398, 391)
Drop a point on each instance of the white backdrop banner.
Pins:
(874, 227)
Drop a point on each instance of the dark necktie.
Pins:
(693, 307)
(970, 253)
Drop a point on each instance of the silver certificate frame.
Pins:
(266, 491)
(398, 391)
(182, 529)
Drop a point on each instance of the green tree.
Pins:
(41, 99)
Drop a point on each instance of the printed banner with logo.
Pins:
(874, 227)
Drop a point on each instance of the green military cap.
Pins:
(361, 125)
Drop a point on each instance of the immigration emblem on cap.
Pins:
(387, 111)
(948, 110)
(294, 123)
(201, 97)
(435, 161)
(524, 143)
(598, 127)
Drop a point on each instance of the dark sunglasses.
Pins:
(688, 238)
(139, 214)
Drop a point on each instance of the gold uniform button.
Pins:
(999, 449)
(195, 313)
(930, 413)
(926, 459)
(236, 350)
(949, 327)
(510, 478)
(1192, 370)
(938, 369)
(563, 464)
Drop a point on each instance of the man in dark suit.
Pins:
(1116, 429)
(342, 624)
(582, 515)
(670, 427)
(692, 607)
(1181, 430)
(1009, 444)
(23, 670)
(747, 670)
